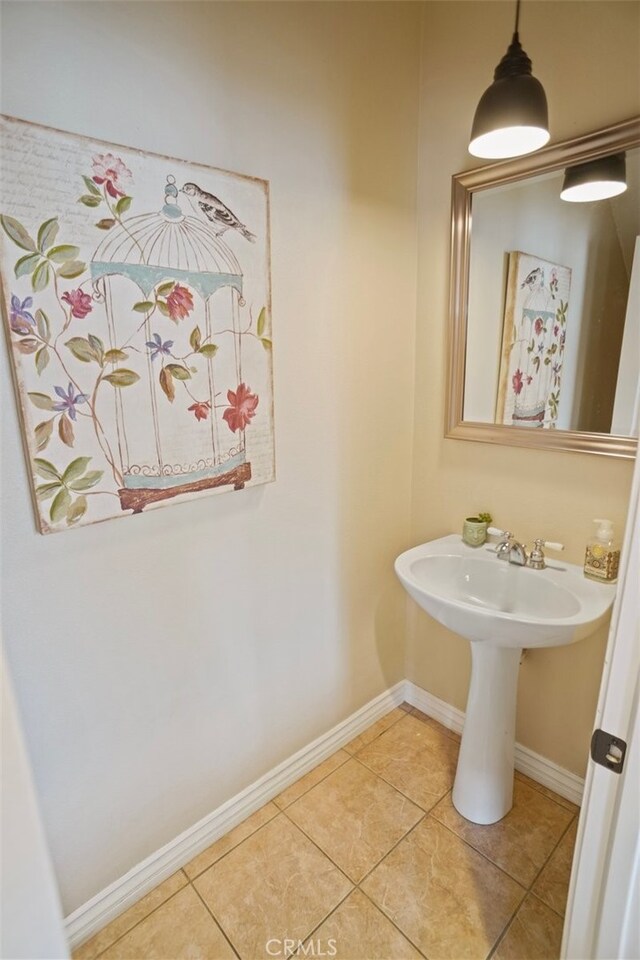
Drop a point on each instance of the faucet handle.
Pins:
(551, 544)
(496, 532)
(537, 558)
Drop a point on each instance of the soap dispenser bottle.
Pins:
(602, 556)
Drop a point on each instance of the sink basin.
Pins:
(471, 592)
(501, 608)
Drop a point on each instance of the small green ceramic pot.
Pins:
(474, 531)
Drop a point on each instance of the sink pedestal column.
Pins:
(483, 788)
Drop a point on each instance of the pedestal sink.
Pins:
(501, 608)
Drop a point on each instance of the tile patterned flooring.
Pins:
(365, 858)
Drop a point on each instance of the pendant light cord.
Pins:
(517, 17)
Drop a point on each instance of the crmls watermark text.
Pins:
(287, 947)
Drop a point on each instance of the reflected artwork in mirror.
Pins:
(545, 303)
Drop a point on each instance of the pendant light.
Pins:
(595, 180)
(512, 116)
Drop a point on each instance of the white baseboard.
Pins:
(127, 890)
(123, 893)
(543, 771)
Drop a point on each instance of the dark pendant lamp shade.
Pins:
(512, 117)
(596, 179)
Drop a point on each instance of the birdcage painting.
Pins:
(139, 321)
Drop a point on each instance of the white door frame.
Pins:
(602, 915)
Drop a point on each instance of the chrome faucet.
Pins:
(514, 552)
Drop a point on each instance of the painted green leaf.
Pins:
(89, 480)
(112, 356)
(165, 288)
(75, 469)
(65, 430)
(46, 470)
(89, 200)
(209, 350)
(178, 371)
(43, 433)
(144, 306)
(71, 269)
(60, 505)
(98, 346)
(26, 265)
(14, 229)
(122, 378)
(47, 233)
(163, 308)
(195, 339)
(106, 223)
(91, 187)
(82, 349)
(262, 320)
(266, 343)
(28, 345)
(123, 205)
(77, 510)
(42, 360)
(166, 382)
(42, 322)
(46, 490)
(63, 252)
(41, 400)
(41, 276)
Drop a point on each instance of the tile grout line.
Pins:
(356, 885)
(531, 893)
(197, 876)
(215, 919)
(138, 922)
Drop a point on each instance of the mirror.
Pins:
(544, 346)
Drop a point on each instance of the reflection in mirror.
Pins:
(549, 286)
(544, 346)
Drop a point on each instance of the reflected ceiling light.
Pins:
(512, 116)
(595, 180)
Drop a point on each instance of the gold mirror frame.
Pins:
(614, 139)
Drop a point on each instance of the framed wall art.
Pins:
(533, 341)
(137, 303)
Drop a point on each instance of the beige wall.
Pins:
(165, 662)
(586, 54)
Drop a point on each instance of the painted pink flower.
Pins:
(180, 302)
(79, 302)
(556, 330)
(200, 410)
(516, 380)
(111, 171)
(242, 407)
(538, 326)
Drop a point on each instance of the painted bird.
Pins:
(214, 210)
(533, 279)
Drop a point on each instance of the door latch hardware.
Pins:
(608, 750)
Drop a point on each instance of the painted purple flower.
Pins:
(157, 347)
(20, 318)
(562, 339)
(70, 399)
(541, 347)
(556, 330)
